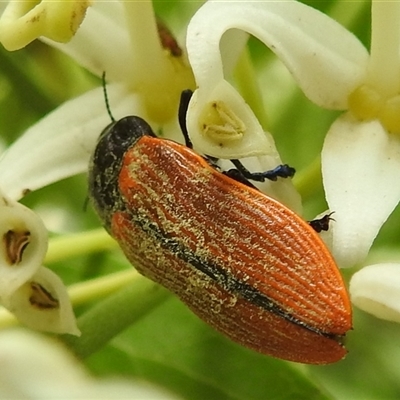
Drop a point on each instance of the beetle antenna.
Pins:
(186, 95)
(103, 80)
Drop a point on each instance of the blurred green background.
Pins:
(169, 346)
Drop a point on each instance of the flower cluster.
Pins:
(360, 155)
(33, 293)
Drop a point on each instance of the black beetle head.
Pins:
(105, 165)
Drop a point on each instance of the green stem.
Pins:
(87, 291)
(114, 314)
(93, 289)
(64, 247)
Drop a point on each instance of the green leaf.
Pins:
(173, 348)
(370, 371)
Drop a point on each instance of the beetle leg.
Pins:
(213, 162)
(241, 173)
(321, 224)
(238, 176)
(282, 171)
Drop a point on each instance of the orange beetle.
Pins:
(240, 260)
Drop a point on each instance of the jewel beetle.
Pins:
(244, 263)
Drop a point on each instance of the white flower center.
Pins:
(379, 97)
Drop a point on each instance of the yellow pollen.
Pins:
(366, 103)
(221, 124)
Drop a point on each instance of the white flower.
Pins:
(376, 288)
(24, 245)
(35, 295)
(146, 80)
(122, 39)
(35, 367)
(361, 153)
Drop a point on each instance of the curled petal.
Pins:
(327, 61)
(23, 245)
(24, 21)
(376, 290)
(222, 125)
(361, 174)
(60, 145)
(42, 303)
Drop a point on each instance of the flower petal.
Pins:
(281, 190)
(42, 303)
(23, 239)
(60, 145)
(34, 365)
(222, 125)
(24, 21)
(102, 42)
(376, 290)
(327, 61)
(361, 172)
(37, 367)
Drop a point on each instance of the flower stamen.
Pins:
(221, 124)
(15, 243)
(41, 298)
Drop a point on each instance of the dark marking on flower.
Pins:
(15, 243)
(41, 298)
(167, 39)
